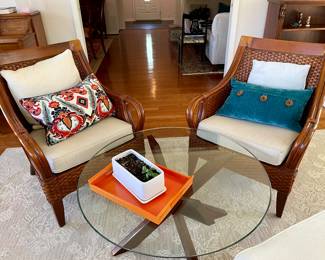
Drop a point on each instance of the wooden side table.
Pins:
(20, 41)
(22, 26)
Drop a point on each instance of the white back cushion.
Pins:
(279, 75)
(44, 77)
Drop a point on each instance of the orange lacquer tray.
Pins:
(156, 210)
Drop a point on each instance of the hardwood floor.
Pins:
(143, 64)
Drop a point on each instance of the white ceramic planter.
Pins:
(143, 191)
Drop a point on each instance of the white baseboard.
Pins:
(162, 19)
(129, 20)
(168, 19)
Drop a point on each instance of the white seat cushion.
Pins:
(84, 145)
(305, 240)
(267, 143)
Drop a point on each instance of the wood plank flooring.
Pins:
(143, 64)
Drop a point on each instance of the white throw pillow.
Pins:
(279, 75)
(44, 77)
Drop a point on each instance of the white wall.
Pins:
(61, 19)
(57, 19)
(247, 17)
(121, 13)
(112, 16)
(128, 10)
(168, 9)
(7, 3)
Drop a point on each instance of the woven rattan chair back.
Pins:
(251, 54)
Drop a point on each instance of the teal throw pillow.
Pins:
(278, 107)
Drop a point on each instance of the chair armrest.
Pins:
(33, 151)
(206, 104)
(209, 102)
(133, 113)
(128, 109)
(300, 145)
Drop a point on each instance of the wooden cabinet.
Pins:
(282, 14)
(21, 31)
(13, 42)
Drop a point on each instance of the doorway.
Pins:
(146, 10)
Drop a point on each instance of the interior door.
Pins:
(147, 9)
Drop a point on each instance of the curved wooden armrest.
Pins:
(133, 112)
(128, 109)
(207, 104)
(35, 156)
(300, 144)
(31, 148)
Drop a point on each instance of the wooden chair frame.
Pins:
(55, 186)
(205, 105)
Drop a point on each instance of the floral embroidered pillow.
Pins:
(70, 111)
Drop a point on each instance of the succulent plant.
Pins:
(138, 168)
(149, 173)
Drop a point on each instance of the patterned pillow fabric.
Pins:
(70, 111)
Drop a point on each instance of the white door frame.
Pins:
(246, 18)
(232, 33)
(78, 25)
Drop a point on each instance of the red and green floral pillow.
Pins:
(70, 111)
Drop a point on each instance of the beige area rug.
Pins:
(28, 229)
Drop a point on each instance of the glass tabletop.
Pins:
(229, 198)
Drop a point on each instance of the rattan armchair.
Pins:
(205, 105)
(55, 186)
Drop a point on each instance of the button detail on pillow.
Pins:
(70, 111)
(271, 106)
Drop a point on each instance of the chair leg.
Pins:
(58, 209)
(32, 170)
(281, 200)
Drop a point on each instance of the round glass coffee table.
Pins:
(229, 198)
